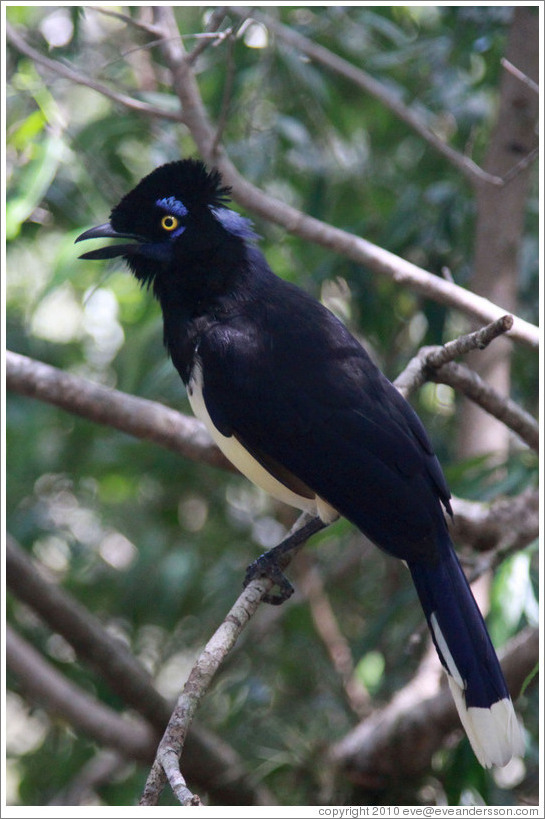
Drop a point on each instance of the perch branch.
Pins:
(216, 649)
(220, 644)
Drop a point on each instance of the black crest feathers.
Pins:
(187, 180)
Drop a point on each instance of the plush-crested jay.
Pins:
(295, 402)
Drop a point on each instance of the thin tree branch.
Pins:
(354, 247)
(520, 75)
(41, 682)
(416, 723)
(209, 760)
(147, 28)
(415, 373)
(80, 79)
(136, 416)
(208, 39)
(522, 164)
(370, 85)
(466, 381)
(196, 686)
(436, 364)
(201, 676)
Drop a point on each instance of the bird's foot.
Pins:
(272, 563)
(268, 566)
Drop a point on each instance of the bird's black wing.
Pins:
(299, 392)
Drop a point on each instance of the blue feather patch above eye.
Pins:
(173, 205)
(235, 223)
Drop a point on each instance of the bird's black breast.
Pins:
(284, 376)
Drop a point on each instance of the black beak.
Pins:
(107, 232)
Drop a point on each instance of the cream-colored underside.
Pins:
(246, 463)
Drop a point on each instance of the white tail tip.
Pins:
(494, 733)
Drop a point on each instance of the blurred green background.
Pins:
(156, 546)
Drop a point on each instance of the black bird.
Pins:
(295, 402)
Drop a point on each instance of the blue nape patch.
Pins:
(235, 223)
(173, 205)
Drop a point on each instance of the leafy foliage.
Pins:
(157, 546)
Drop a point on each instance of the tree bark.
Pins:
(499, 226)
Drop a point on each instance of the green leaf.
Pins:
(33, 182)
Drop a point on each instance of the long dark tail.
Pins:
(467, 654)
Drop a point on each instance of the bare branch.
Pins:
(478, 340)
(147, 28)
(416, 723)
(214, 23)
(354, 247)
(436, 364)
(520, 75)
(210, 37)
(171, 764)
(415, 373)
(42, 683)
(522, 165)
(461, 378)
(136, 416)
(203, 672)
(68, 73)
(196, 686)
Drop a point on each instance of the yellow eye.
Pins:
(169, 222)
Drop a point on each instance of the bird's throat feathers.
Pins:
(206, 279)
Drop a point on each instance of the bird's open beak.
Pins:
(106, 231)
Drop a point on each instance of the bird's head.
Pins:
(178, 212)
